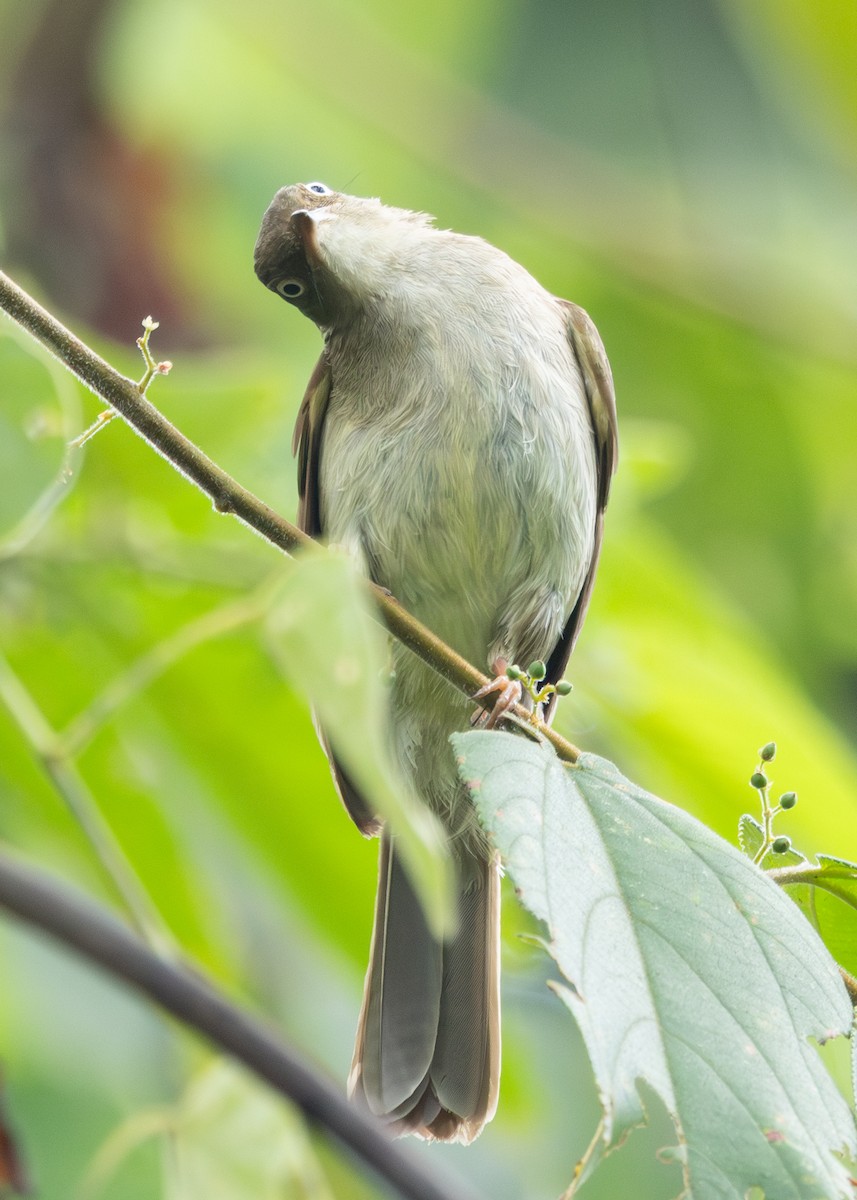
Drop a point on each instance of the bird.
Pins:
(458, 437)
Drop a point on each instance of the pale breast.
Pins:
(458, 459)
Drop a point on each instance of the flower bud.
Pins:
(781, 844)
(758, 780)
(563, 687)
(768, 751)
(537, 669)
(788, 800)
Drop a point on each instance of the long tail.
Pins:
(427, 1056)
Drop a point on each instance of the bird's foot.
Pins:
(509, 693)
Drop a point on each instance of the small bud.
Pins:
(781, 844)
(514, 672)
(164, 368)
(537, 669)
(768, 751)
(758, 780)
(563, 687)
(788, 800)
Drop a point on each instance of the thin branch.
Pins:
(77, 922)
(850, 987)
(227, 495)
(63, 774)
(155, 662)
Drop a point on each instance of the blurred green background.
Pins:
(686, 171)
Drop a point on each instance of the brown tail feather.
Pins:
(427, 1056)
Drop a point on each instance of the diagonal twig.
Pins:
(229, 496)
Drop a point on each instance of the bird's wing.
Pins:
(591, 357)
(306, 444)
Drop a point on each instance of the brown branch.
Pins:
(850, 986)
(77, 922)
(228, 495)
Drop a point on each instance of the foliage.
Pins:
(687, 972)
(661, 169)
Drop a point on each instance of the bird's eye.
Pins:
(320, 189)
(289, 289)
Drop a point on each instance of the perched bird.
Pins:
(458, 435)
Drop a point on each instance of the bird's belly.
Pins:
(481, 525)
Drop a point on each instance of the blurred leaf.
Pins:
(233, 1139)
(138, 1129)
(682, 681)
(687, 970)
(330, 648)
(228, 1138)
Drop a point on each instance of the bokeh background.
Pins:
(686, 170)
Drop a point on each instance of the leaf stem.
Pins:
(144, 670)
(816, 875)
(768, 814)
(65, 777)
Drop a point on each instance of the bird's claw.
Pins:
(509, 693)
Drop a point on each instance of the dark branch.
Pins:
(95, 933)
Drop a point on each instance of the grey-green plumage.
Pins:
(458, 436)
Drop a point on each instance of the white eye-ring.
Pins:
(320, 189)
(289, 289)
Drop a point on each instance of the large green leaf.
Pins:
(332, 650)
(689, 971)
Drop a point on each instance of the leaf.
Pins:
(229, 1138)
(826, 893)
(751, 835)
(330, 648)
(234, 1139)
(688, 970)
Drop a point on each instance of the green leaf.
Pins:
(826, 893)
(330, 648)
(688, 970)
(229, 1138)
(234, 1139)
(751, 835)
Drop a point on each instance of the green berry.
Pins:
(537, 669)
(758, 780)
(781, 844)
(514, 672)
(563, 687)
(788, 800)
(768, 751)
